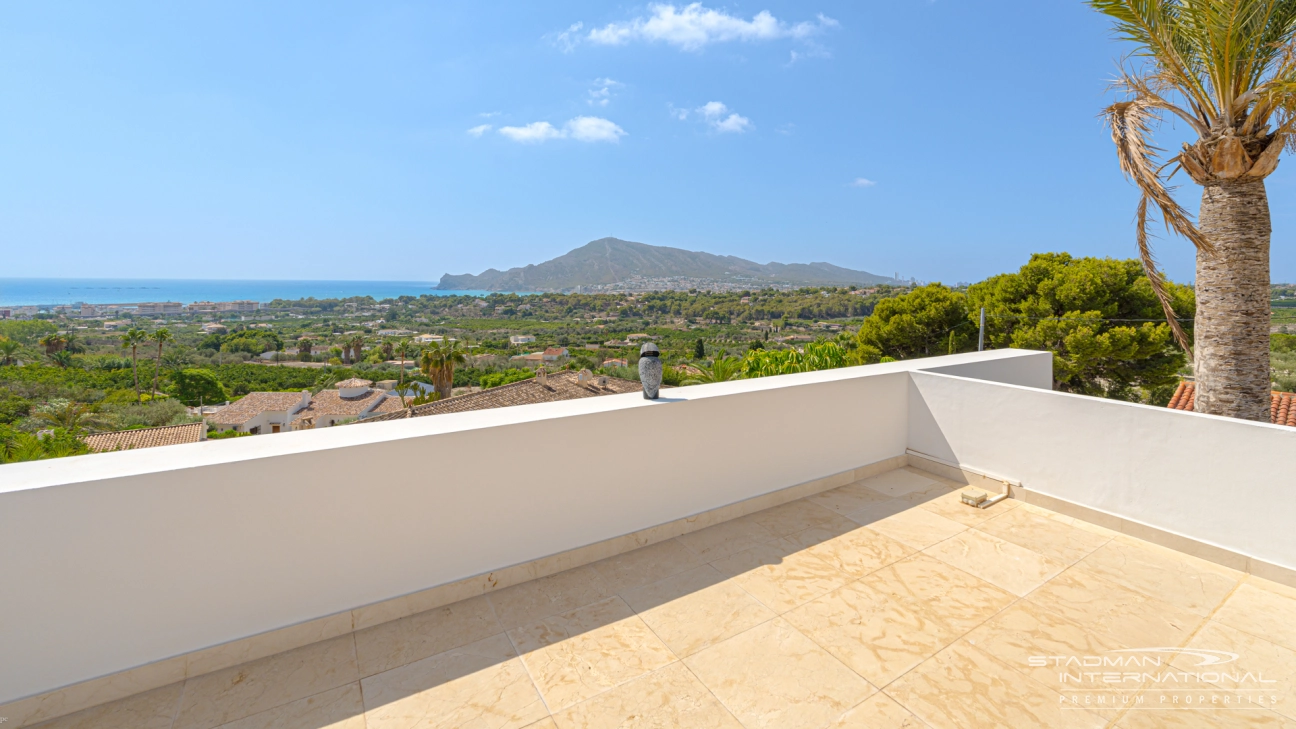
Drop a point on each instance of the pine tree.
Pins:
(699, 350)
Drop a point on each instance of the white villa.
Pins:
(275, 412)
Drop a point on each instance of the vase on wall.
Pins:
(650, 370)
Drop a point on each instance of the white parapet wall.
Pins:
(1216, 481)
(116, 560)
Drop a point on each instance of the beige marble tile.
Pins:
(339, 708)
(877, 636)
(1264, 613)
(1110, 609)
(726, 538)
(773, 676)
(848, 498)
(950, 505)
(531, 601)
(1259, 665)
(878, 510)
(917, 527)
(925, 496)
(799, 516)
(1003, 564)
(266, 644)
(1187, 582)
(1053, 538)
(482, 684)
(670, 697)
(696, 609)
(579, 654)
(900, 482)
(1024, 634)
(963, 686)
(428, 633)
(545, 723)
(857, 552)
(646, 564)
(149, 710)
(878, 711)
(781, 575)
(93, 693)
(942, 593)
(1157, 718)
(223, 696)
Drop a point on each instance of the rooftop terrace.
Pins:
(813, 569)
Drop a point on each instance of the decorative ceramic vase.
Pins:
(650, 370)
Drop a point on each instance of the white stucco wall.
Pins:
(1217, 480)
(119, 559)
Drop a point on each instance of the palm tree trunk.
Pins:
(1231, 331)
(156, 366)
(135, 372)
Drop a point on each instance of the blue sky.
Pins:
(944, 140)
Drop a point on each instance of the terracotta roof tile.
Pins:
(354, 382)
(1282, 405)
(253, 404)
(125, 440)
(561, 386)
(331, 402)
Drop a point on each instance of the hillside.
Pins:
(610, 261)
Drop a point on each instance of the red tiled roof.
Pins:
(125, 440)
(1282, 405)
(560, 386)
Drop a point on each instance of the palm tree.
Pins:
(52, 343)
(73, 417)
(10, 350)
(61, 359)
(356, 347)
(722, 369)
(159, 337)
(404, 349)
(131, 340)
(438, 362)
(1227, 69)
(405, 390)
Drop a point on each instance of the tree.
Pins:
(404, 349)
(159, 337)
(61, 359)
(52, 343)
(74, 417)
(131, 340)
(199, 387)
(722, 369)
(699, 349)
(1099, 317)
(916, 324)
(18, 446)
(10, 351)
(438, 362)
(405, 390)
(304, 349)
(1227, 69)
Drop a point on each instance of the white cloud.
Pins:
(593, 129)
(602, 92)
(862, 182)
(581, 128)
(677, 112)
(531, 133)
(488, 114)
(567, 40)
(479, 130)
(691, 27)
(715, 114)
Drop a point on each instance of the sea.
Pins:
(53, 291)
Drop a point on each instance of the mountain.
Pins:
(610, 260)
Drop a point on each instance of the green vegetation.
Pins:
(495, 379)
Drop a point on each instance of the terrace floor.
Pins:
(885, 603)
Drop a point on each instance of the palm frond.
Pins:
(1158, 282)
(1130, 128)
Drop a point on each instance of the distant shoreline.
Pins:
(63, 291)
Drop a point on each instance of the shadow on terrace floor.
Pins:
(864, 606)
